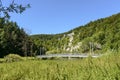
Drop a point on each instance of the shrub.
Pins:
(13, 58)
(1, 60)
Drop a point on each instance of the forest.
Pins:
(97, 36)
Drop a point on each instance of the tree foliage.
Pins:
(102, 33)
(14, 39)
(11, 7)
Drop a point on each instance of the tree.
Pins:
(14, 40)
(12, 7)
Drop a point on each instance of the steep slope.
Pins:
(97, 36)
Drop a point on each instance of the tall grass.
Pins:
(103, 68)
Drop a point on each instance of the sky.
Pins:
(58, 16)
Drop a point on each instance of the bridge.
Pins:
(49, 56)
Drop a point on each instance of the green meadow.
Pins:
(106, 67)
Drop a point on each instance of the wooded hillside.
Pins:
(96, 36)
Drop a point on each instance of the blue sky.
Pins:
(57, 16)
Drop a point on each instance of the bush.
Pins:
(13, 58)
(1, 60)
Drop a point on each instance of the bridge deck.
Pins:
(67, 56)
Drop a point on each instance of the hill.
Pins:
(97, 36)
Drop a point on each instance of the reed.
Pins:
(103, 68)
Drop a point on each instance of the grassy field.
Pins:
(104, 68)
